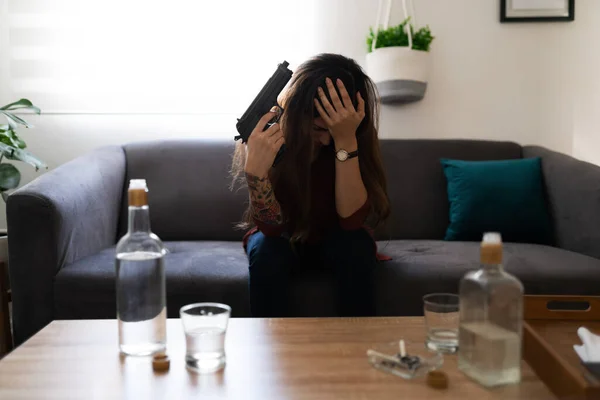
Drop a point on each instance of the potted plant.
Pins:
(398, 61)
(12, 147)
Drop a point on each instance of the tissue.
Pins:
(589, 351)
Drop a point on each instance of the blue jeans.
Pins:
(351, 255)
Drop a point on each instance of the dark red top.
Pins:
(323, 217)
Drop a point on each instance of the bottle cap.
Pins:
(137, 184)
(437, 379)
(138, 193)
(491, 248)
(161, 362)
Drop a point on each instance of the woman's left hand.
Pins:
(340, 117)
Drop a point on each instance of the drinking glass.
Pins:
(441, 322)
(205, 326)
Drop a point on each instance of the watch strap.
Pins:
(352, 154)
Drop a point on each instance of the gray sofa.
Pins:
(64, 225)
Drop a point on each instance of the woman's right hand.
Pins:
(263, 146)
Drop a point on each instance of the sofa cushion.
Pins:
(416, 183)
(505, 196)
(421, 267)
(196, 271)
(188, 182)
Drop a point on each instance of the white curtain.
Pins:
(148, 56)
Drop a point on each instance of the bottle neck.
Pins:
(493, 268)
(139, 219)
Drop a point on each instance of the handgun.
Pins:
(262, 103)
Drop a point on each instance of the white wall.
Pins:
(489, 80)
(530, 83)
(586, 84)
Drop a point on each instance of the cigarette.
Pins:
(373, 353)
(402, 349)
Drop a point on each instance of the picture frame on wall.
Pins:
(537, 10)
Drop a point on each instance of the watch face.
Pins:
(342, 155)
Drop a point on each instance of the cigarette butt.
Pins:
(402, 349)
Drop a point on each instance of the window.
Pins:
(148, 56)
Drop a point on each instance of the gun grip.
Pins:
(279, 155)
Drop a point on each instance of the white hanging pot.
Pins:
(400, 73)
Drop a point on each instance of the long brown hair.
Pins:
(292, 174)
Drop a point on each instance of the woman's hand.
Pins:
(340, 117)
(263, 147)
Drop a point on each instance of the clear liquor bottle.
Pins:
(491, 319)
(141, 292)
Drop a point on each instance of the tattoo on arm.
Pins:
(265, 206)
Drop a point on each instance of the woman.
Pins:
(310, 208)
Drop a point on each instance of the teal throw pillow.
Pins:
(501, 196)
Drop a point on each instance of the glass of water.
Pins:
(205, 325)
(441, 322)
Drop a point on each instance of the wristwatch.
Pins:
(343, 155)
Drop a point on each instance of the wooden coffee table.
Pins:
(313, 358)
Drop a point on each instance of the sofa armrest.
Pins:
(62, 216)
(573, 192)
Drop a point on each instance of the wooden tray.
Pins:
(549, 333)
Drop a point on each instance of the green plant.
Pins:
(13, 147)
(397, 36)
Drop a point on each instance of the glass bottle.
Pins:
(141, 292)
(491, 319)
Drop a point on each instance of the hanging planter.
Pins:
(398, 60)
